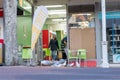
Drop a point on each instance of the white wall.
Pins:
(58, 26)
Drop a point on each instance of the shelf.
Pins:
(114, 35)
(114, 47)
(114, 40)
(115, 29)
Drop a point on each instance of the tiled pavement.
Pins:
(52, 73)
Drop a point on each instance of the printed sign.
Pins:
(40, 16)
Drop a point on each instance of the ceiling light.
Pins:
(51, 12)
(85, 14)
(58, 19)
(62, 10)
(52, 6)
(27, 7)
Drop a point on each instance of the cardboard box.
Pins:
(59, 55)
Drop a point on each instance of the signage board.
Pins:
(39, 18)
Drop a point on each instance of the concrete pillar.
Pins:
(10, 21)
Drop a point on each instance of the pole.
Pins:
(104, 42)
(98, 30)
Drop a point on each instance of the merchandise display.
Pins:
(113, 36)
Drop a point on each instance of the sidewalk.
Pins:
(52, 73)
(114, 65)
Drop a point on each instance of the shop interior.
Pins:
(80, 24)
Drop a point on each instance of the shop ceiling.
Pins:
(71, 2)
(111, 4)
(63, 2)
(83, 5)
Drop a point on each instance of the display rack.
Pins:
(114, 41)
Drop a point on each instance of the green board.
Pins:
(47, 51)
(26, 53)
(24, 29)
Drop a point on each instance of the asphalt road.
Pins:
(51, 73)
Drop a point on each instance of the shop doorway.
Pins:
(81, 30)
(56, 25)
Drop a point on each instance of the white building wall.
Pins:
(58, 26)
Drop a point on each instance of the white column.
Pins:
(98, 31)
(104, 42)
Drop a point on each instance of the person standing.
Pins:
(64, 47)
(53, 45)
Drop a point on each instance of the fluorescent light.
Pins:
(51, 12)
(52, 6)
(27, 7)
(58, 19)
(62, 10)
(85, 14)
